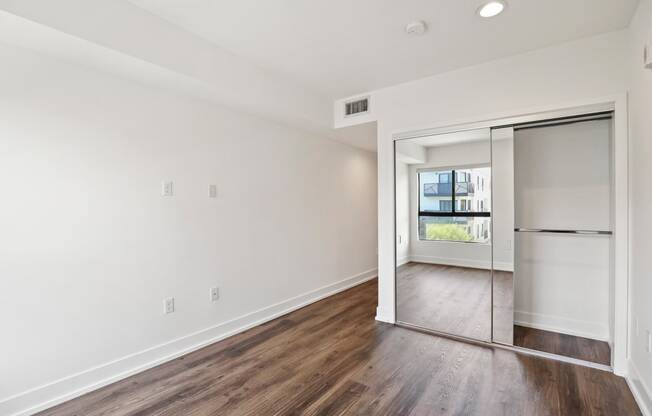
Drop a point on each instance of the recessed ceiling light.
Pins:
(491, 9)
(418, 27)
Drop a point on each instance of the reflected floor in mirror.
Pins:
(455, 300)
(563, 344)
(503, 307)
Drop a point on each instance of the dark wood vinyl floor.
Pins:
(333, 358)
(563, 344)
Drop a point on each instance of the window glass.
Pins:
(463, 229)
(435, 195)
(454, 204)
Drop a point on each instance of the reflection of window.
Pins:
(452, 204)
(430, 189)
(445, 205)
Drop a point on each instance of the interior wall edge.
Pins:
(640, 390)
(75, 385)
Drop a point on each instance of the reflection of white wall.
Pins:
(408, 152)
(561, 283)
(563, 182)
(402, 213)
(563, 179)
(502, 156)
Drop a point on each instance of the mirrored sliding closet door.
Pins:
(443, 233)
(553, 206)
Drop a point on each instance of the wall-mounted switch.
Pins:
(214, 294)
(167, 188)
(168, 305)
(212, 191)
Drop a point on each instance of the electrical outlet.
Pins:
(214, 294)
(167, 188)
(212, 191)
(168, 305)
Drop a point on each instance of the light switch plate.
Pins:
(214, 294)
(212, 191)
(167, 188)
(168, 305)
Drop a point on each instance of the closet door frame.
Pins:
(620, 227)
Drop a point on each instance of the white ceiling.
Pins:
(362, 136)
(344, 47)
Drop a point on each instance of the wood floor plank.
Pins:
(563, 344)
(333, 358)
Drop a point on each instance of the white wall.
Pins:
(89, 248)
(560, 76)
(641, 201)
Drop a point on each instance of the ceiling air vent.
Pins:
(359, 106)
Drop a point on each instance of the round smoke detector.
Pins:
(418, 27)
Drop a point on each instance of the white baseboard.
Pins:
(640, 390)
(64, 389)
(585, 329)
(382, 316)
(503, 266)
(459, 262)
(402, 260)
